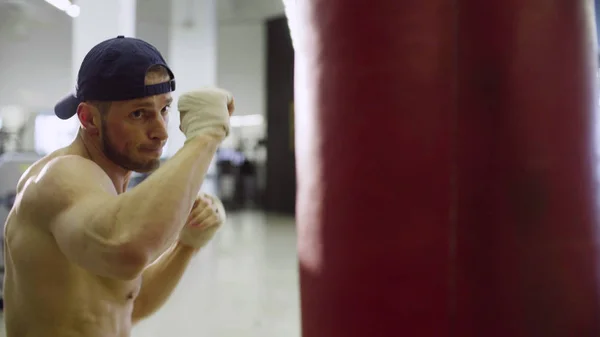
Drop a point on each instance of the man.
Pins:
(85, 257)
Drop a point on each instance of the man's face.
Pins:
(134, 132)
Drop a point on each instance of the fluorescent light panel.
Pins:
(73, 11)
(246, 120)
(65, 6)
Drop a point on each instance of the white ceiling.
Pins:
(24, 13)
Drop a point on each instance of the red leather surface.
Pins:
(375, 99)
(445, 168)
(527, 217)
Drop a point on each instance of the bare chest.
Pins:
(120, 291)
(36, 258)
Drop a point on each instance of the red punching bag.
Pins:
(374, 98)
(445, 168)
(527, 240)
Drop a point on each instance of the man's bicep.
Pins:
(88, 216)
(80, 209)
(83, 241)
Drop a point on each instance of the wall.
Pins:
(153, 23)
(35, 65)
(241, 69)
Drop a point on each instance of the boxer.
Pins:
(84, 256)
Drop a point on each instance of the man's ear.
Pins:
(89, 117)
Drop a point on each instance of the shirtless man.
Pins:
(85, 257)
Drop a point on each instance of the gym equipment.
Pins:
(482, 220)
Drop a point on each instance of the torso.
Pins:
(46, 295)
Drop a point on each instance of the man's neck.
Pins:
(91, 150)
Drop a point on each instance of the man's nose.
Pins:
(159, 130)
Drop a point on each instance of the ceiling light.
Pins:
(73, 11)
(246, 120)
(65, 6)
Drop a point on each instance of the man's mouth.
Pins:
(152, 149)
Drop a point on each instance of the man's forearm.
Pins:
(153, 213)
(160, 279)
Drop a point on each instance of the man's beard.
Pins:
(121, 159)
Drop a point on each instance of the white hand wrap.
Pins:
(204, 111)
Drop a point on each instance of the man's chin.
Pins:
(145, 167)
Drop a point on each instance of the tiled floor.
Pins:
(244, 284)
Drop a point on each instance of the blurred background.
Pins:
(244, 282)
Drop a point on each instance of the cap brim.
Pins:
(67, 107)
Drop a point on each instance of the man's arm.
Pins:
(118, 235)
(160, 279)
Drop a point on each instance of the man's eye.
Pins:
(166, 109)
(137, 114)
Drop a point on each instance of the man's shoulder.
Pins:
(65, 170)
(67, 167)
(58, 180)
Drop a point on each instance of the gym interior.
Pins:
(394, 168)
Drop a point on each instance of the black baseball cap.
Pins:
(115, 70)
